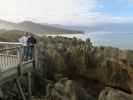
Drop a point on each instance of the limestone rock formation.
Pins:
(65, 89)
(80, 60)
(114, 66)
(112, 94)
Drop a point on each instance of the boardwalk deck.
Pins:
(12, 58)
(12, 65)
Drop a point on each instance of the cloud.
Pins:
(130, 1)
(70, 12)
(84, 7)
(114, 19)
(50, 9)
(97, 19)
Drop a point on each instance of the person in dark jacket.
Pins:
(31, 45)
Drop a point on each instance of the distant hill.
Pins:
(35, 27)
(102, 27)
(69, 27)
(10, 35)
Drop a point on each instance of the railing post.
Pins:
(34, 56)
(29, 86)
(20, 59)
(20, 88)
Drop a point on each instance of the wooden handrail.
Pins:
(12, 53)
(11, 43)
(11, 48)
(8, 55)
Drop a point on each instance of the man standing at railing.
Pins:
(24, 40)
(31, 44)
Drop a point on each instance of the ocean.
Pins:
(119, 40)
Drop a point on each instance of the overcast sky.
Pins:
(85, 12)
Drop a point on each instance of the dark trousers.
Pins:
(25, 53)
(30, 52)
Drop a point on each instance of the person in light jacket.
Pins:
(24, 40)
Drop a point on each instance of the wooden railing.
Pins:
(11, 55)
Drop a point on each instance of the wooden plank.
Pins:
(11, 43)
(10, 48)
(13, 73)
(4, 55)
(7, 63)
(29, 86)
(20, 88)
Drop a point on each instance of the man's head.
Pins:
(30, 34)
(26, 34)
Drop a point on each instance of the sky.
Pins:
(67, 12)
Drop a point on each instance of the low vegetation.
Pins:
(10, 35)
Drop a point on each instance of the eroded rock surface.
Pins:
(66, 89)
(86, 64)
(112, 94)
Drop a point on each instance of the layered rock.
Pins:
(114, 66)
(65, 89)
(112, 94)
(79, 60)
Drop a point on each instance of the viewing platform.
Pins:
(13, 65)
